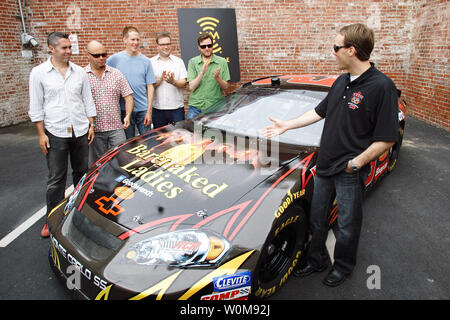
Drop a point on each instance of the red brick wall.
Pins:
(275, 36)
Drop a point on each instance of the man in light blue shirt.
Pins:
(138, 70)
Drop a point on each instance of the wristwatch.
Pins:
(355, 168)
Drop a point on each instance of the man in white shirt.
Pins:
(171, 74)
(62, 108)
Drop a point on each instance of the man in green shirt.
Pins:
(207, 75)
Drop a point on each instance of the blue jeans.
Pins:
(348, 188)
(193, 112)
(136, 120)
(161, 118)
(61, 149)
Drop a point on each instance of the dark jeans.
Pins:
(161, 118)
(136, 120)
(349, 191)
(77, 149)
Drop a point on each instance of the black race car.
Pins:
(205, 209)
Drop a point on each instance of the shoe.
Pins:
(308, 269)
(44, 232)
(334, 278)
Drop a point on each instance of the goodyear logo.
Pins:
(209, 24)
(233, 281)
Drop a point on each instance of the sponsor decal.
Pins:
(381, 169)
(109, 206)
(236, 294)
(290, 198)
(134, 186)
(161, 287)
(167, 168)
(233, 281)
(355, 100)
(124, 193)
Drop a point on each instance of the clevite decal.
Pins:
(225, 283)
(226, 269)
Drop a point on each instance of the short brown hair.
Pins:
(204, 36)
(361, 38)
(162, 35)
(127, 30)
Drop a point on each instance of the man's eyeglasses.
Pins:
(164, 44)
(98, 55)
(203, 46)
(337, 48)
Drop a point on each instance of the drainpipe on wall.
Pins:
(27, 40)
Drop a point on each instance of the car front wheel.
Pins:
(282, 251)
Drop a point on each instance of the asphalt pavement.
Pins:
(404, 251)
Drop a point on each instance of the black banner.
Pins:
(221, 23)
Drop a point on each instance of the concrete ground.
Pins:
(404, 251)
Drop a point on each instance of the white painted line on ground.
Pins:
(10, 237)
(331, 241)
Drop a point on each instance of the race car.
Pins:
(205, 209)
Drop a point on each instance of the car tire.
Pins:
(282, 251)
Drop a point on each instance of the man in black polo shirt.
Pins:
(361, 122)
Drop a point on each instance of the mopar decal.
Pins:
(235, 294)
(232, 281)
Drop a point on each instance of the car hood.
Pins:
(169, 175)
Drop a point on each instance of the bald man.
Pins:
(108, 85)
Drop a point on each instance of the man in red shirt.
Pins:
(107, 85)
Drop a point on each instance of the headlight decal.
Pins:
(183, 248)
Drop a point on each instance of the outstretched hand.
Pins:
(278, 127)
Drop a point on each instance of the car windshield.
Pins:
(247, 111)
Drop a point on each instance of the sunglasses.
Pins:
(337, 48)
(203, 46)
(98, 55)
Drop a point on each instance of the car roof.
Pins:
(301, 81)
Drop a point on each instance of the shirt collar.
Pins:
(213, 58)
(363, 76)
(89, 69)
(159, 57)
(49, 65)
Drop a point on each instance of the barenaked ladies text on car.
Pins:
(205, 209)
